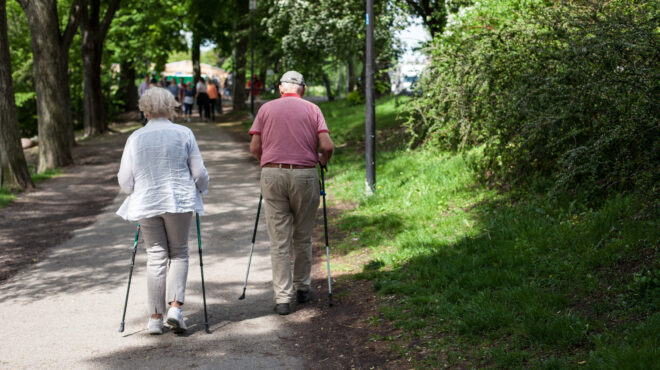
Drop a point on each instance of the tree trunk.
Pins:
(328, 87)
(93, 115)
(93, 31)
(51, 80)
(351, 75)
(363, 75)
(238, 95)
(127, 82)
(14, 173)
(197, 68)
(263, 76)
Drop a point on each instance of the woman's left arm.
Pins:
(196, 165)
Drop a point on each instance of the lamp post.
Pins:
(370, 114)
(253, 7)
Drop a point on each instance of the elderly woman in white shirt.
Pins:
(163, 173)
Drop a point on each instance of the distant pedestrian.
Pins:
(144, 85)
(163, 172)
(255, 85)
(182, 86)
(227, 86)
(202, 99)
(173, 88)
(212, 92)
(188, 101)
(287, 134)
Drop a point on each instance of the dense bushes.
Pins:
(562, 93)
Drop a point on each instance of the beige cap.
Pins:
(293, 77)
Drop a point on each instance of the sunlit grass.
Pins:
(487, 280)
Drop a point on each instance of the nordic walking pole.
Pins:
(130, 275)
(201, 268)
(254, 235)
(325, 228)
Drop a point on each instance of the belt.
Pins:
(285, 165)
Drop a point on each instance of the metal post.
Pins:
(370, 114)
(253, 6)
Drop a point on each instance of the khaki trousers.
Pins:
(291, 198)
(166, 239)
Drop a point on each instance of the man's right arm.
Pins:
(327, 148)
(255, 146)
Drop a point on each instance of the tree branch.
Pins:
(84, 14)
(72, 24)
(107, 19)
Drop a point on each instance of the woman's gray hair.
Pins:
(157, 102)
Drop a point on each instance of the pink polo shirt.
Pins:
(289, 129)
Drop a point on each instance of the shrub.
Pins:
(567, 93)
(355, 97)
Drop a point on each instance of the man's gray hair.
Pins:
(157, 102)
(289, 87)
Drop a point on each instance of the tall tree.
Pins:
(94, 30)
(13, 168)
(318, 36)
(137, 41)
(240, 64)
(205, 19)
(50, 47)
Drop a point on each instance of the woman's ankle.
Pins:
(157, 316)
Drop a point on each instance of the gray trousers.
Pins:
(292, 199)
(166, 239)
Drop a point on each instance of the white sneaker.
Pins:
(155, 326)
(175, 319)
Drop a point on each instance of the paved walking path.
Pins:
(65, 310)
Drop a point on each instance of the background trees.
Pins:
(138, 39)
(94, 27)
(320, 38)
(50, 48)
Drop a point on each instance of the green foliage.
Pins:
(564, 93)
(468, 272)
(314, 34)
(6, 197)
(146, 32)
(355, 97)
(21, 57)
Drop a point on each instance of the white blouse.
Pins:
(162, 171)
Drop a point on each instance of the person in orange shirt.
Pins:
(212, 92)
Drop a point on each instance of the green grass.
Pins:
(7, 196)
(484, 279)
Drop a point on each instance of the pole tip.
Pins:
(121, 327)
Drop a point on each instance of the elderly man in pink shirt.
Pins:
(287, 135)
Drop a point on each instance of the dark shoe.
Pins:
(303, 296)
(282, 308)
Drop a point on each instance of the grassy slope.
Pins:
(484, 280)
